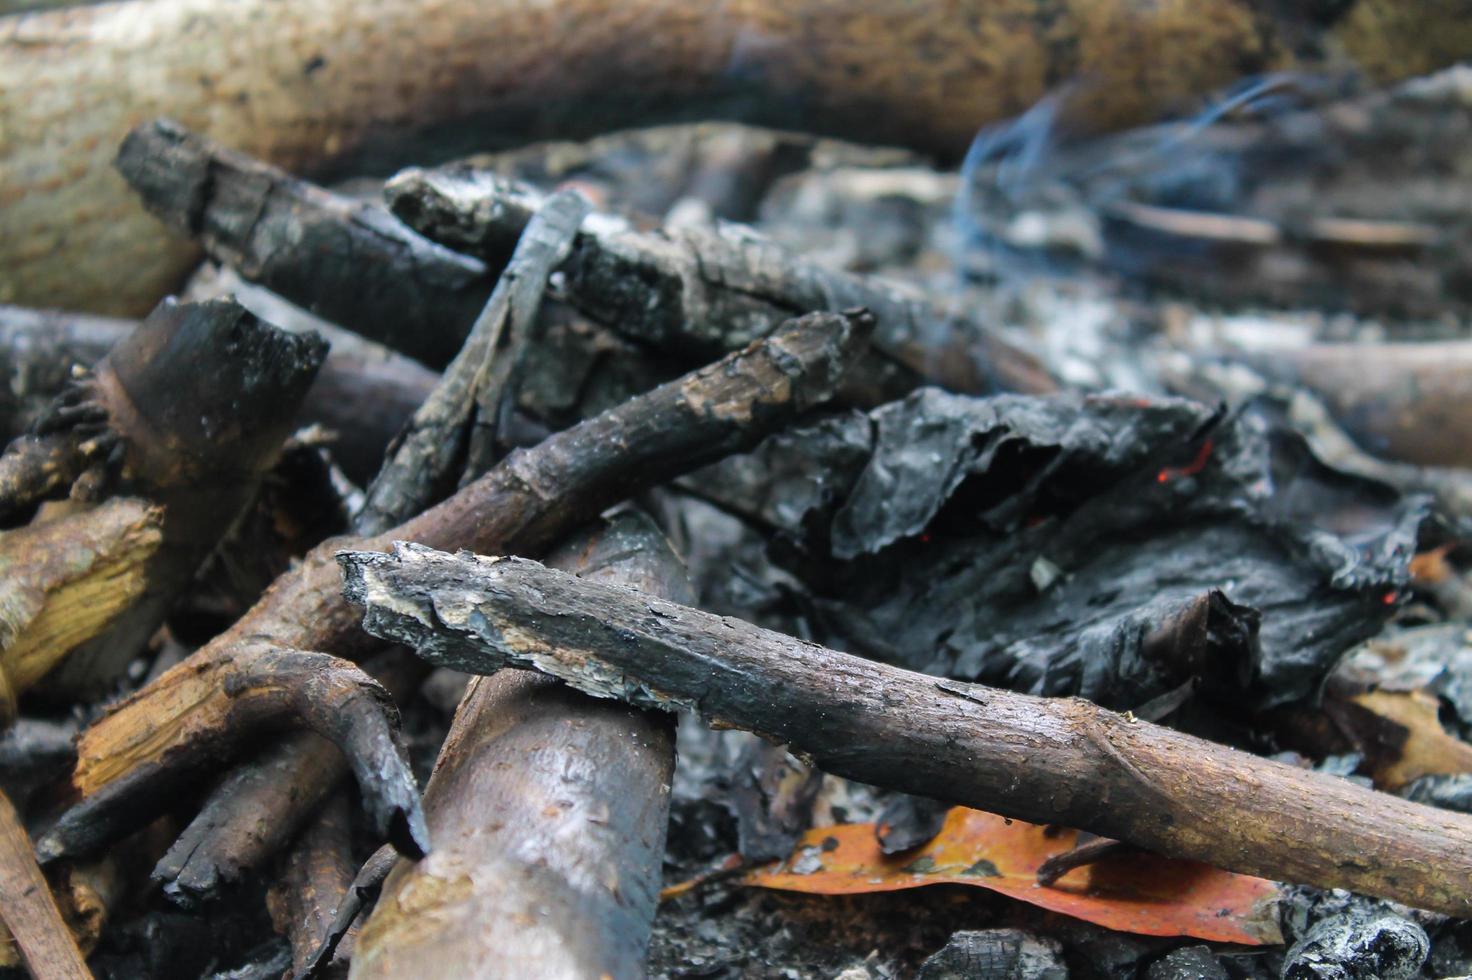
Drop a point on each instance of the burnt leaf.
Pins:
(1106, 546)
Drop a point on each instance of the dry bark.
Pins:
(551, 805)
(1044, 760)
(264, 671)
(331, 83)
(28, 909)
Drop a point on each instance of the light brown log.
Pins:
(366, 83)
(548, 811)
(1410, 402)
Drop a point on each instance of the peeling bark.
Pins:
(548, 811)
(1043, 760)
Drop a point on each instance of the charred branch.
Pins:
(1047, 761)
(459, 421)
(263, 802)
(346, 261)
(362, 395)
(703, 291)
(299, 90)
(317, 873)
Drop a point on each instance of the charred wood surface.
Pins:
(359, 267)
(362, 395)
(703, 291)
(458, 422)
(262, 671)
(1045, 760)
(316, 874)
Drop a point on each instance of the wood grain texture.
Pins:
(28, 909)
(370, 84)
(1043, 760)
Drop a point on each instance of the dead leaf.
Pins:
(1403, 739)
(1136, 892)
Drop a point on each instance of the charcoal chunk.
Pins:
(1362, 940)
(1187, 963)
(996, 954)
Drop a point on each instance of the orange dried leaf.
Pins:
(1135, 892)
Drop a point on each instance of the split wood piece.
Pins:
(28, 909)
(263, 802)
(347, 261)
(322, 84)
(1409, 402)
(317, 872)
(701, 291)
(363, 394)
(1043, 760)
(209, 704)
(67, 581)
(188, 412)
(459, 419)
(548, 810)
